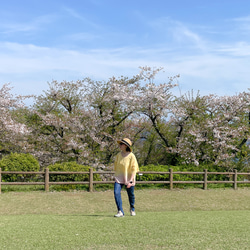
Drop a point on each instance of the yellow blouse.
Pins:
(125, 167)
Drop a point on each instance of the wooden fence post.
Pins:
(171, 178)
(235, 179)
(46, 180)
(90, 179)
(205, 180)
(0, 180)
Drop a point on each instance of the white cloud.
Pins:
(221, 69)
(242, 24)
(73, 13)
(176, 32)
(238, 49)
(11, 27)
(83, 36)
(242, 19)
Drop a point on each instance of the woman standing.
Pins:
(125, 167)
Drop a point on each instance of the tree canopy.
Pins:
(82, 120)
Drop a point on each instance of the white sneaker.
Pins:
(132, 213)
(119, 214)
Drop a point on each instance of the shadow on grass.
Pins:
(87, 215)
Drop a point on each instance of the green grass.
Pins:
(178, 219)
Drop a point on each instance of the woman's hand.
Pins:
(129, 185)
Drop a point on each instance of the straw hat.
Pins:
(127, 142)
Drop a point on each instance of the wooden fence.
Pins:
(46, 182)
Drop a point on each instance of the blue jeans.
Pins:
(118, 197)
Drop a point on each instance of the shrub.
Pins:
(19, 162)
(181, 168)
(154, 177)
(70, 167)
(182, 177)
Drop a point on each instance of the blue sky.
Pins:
(206, 42)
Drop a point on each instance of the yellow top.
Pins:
(125, 167)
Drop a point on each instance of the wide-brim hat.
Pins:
(127, 142)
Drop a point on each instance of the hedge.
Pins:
(19, 162)
(70, 167)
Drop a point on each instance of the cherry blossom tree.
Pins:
(78, 120)
(56, 129)
(212, 128)
(154, 100)
(11, 131)
(82, 120)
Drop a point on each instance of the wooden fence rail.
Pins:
(91, 181)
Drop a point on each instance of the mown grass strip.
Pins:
(178, 219)
(148, 230)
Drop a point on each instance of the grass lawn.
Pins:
(178, 219)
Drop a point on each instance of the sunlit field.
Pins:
(178, 219)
